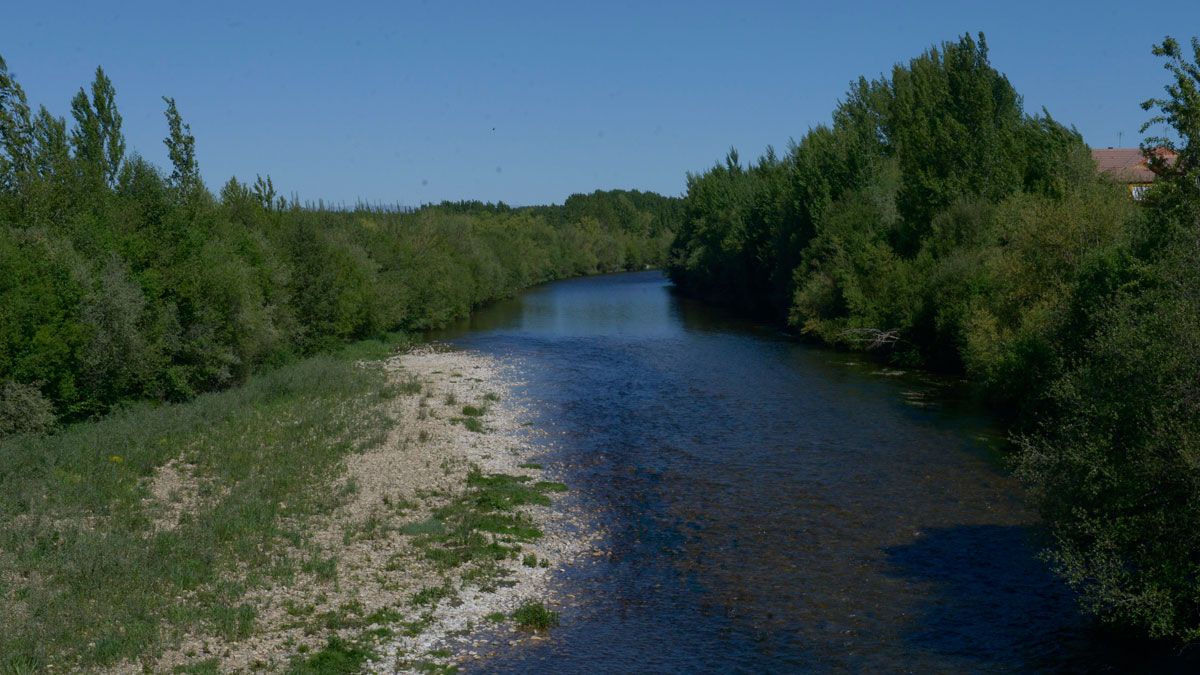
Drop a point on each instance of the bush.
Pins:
(23, 409)
(1116, 468)
(534, 615)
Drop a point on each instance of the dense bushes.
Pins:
(937, 222)
(118, 282)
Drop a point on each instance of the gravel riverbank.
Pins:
(410, 573)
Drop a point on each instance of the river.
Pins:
(770, 506)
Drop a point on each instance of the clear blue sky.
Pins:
(530, 102)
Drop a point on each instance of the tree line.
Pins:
(938, 223)
(121, 282)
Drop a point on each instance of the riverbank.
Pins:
(488, 471)
(446, 532)
(332, 516)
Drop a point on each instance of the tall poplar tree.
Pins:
(181, 148)
(97, 137)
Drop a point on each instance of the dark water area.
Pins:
(770, 506)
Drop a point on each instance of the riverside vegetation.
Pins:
(937, 222)
(152, 330)
(122, 283)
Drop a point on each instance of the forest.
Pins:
(122, 282)
(937, 223)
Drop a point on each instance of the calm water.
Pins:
(771, 506)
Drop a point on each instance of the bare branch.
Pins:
(874, 338)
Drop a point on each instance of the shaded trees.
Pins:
(1115, 462)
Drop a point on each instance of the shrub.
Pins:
(23, 409)
(533, 615)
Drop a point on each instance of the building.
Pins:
(1128, 166)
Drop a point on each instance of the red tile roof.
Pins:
(1127, 165)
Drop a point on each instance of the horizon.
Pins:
(415, 105)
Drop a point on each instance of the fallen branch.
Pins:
(873, 337)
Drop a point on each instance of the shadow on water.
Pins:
(985, 583)
(987, 586)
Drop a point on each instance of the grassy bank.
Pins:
(330, 514)
(119, 534)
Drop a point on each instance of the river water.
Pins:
(770, 506)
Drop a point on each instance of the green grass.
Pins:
(337, 656)
(410, 386)
(481, 526)
(375, 349)
(432, 595)
(473, 411)
(473, 424)
(87, 579)
(534, 615)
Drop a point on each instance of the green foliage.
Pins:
(338, 656)
(16, 131)
(1115, 461)
(23, 410)
(1115, 468)
(832, 235)
(534, 615)
(96, 138)
(181, 148)
(119, 283)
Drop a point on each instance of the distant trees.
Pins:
(119, 282)
(937, 223)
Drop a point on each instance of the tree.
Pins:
(1178, 193)
(264, 191)
(181, 148)
(51, 150)
(954, 122)
(16, 130)
(97, 138)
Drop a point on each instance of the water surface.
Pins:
(771, 506)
